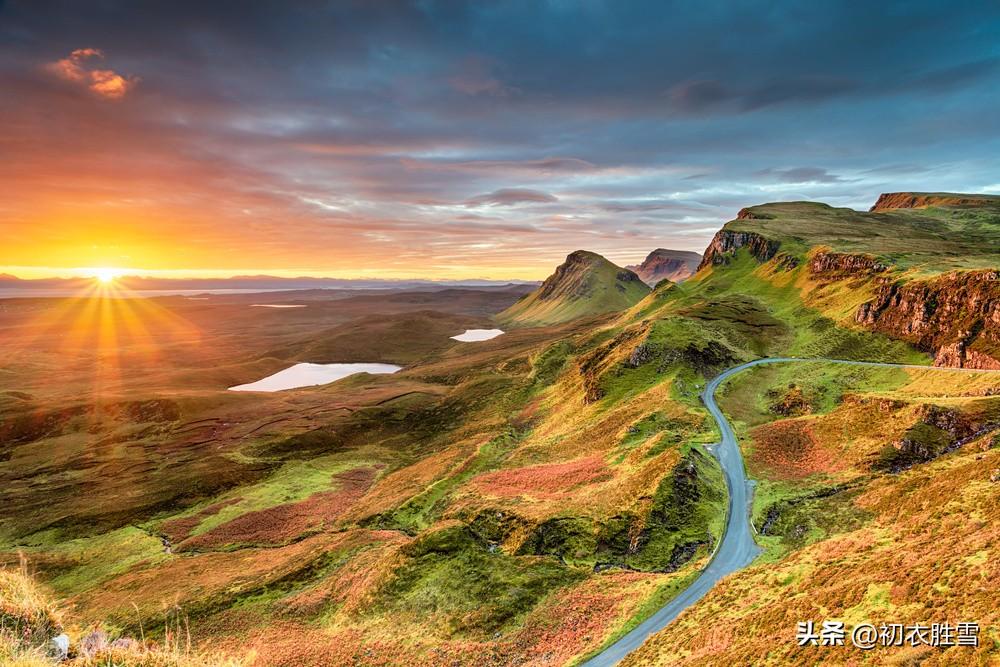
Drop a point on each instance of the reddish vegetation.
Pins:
(545, 480)
(926, 558)
(351, 588)
(281, 524)
(185, 580)
(178, 529)
(572, 622)
(789, 450)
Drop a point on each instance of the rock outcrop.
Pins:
(894, 200)
(726, 242)
(665, 264)
(838, 264)
(750, 214)
(955, 316)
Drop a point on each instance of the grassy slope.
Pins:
(850, 542)
(817, 438)
(30, 617)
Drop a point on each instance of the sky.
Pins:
(449, 139)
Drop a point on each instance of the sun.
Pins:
(106, 276)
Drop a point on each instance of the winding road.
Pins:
(738, 548)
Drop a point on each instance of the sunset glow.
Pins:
(106, 276)
(482, 151)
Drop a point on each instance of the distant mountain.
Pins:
(146, 284)
(662, 263)
(266, 282)
(585, 284)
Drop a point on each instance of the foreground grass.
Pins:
(30, 618)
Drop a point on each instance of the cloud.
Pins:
(511, 197)
(897, 169)
(802, 175)
(383, 118)
(547, 165)
(104, 82)
(701, 96)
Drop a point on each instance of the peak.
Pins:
(896, 200)
(664, 263)
(584, 256)
(670, 253)
(586, 284)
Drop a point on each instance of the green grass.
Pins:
(670, 432)
(87, 561)
(688, 508)
(929, 240)
(802, 512)
(802, 515)
(751, 397)
(452, 583)
(294, 481)
(675, 348)
(734, 303)
(686, 517)
(420, 511)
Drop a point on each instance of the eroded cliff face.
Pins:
(894, 200)
(826, 264)
(726, 242)
(750, 214)
(955, 316)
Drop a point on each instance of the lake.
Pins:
(477, 335)
(310, 375)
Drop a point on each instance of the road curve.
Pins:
(738, 548)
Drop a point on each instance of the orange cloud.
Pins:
(104, 82)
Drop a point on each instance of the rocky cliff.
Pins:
(726, 242)
(827, 264)
(955, 316)
(931, 279)
(665, 264)
(894, 200)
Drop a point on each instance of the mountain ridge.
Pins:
(924, 272)
(666, 264)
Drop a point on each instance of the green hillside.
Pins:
(585, 284)
(932, 239)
